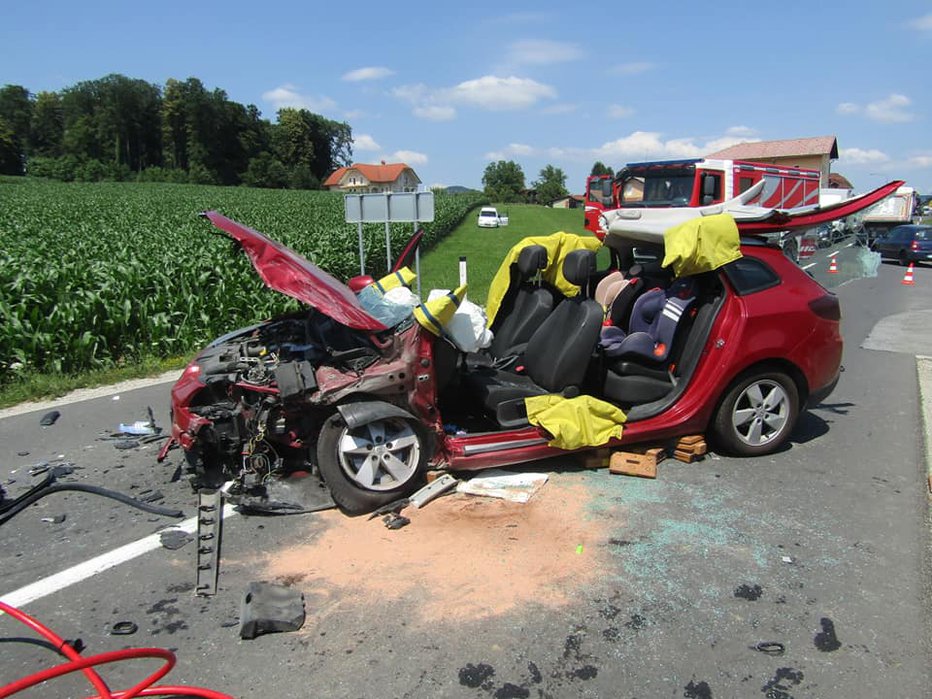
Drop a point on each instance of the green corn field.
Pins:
(93, 275)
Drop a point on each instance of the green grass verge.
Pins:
(484, 249)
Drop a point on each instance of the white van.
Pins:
(490, 218)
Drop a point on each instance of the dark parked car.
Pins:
(908, 243)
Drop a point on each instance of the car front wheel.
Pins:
(370, 464)
(757, 414)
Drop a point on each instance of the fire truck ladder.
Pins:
(209, 529)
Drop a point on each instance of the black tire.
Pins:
(371, 464)
(757, 414)
(904, 260)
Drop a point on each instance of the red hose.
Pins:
(86, 665)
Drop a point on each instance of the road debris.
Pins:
(506, 485)
(270, 608)
(124, 628)
(433, 490)
(174, 539)
(57, 519)
(50, 418)
(394, 521)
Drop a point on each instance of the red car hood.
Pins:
(286, 271)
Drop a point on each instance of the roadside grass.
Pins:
(484, 249)
(39, 386)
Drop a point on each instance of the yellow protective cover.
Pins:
(403, 277)
(558, 245)
(701, 244)
(575, 423)
(435, 314)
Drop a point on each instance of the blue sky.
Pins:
(447, 89)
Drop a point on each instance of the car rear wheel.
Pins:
(757, 414)
(904, 259)
(371, 464)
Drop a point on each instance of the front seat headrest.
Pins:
(531, 260)
(578, 266)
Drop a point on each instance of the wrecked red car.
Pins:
(736, 353)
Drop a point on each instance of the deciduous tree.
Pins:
(504, 181)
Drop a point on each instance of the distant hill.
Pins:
(458, 189)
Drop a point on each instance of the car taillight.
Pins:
(914, 245)
(826, 307)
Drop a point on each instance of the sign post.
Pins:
(388, 208)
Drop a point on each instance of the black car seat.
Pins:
(525, 306)
(556, 357)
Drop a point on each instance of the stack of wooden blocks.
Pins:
(642, 461)
(689, 449)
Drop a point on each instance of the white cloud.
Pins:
(633, 68)
(860, 156)
(410, 157)
(542, 52)
(489, 92)
(512, 150)
(740, 131)
(717, 144)
(368, 73)
(435, 112)
(923, 24)
(500, 94)
(891, 110)
(922, 160)
(365, 142)
(287, 95)
(617, 111)
(353, 114)
(646, 144)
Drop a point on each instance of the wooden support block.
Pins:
(431, 476)
(687, 457)
(628, 463)
(596, 458)
(690, 440)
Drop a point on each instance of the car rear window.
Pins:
(748, 275)
(924, 234)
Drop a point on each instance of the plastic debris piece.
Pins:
(57, 519)
(123, 628)
(39, 468)
(393, 521)
(270, 608)
(433, 490)
(138, 428)
(49, 418)
(22, 453)
(579, 550)
(515, 487)
(770, 647)
(787, 559)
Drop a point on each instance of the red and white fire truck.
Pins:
(701, 182)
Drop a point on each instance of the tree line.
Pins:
(120, 128)
(503, 181)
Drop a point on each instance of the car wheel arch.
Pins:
(765, 366)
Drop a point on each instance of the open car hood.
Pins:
(648, 225)
(284, 270)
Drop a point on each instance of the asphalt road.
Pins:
(605, 586)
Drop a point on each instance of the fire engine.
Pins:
(700, 182)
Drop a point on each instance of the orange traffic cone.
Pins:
(908, 277)
(833, 267)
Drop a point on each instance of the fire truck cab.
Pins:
(697, 182)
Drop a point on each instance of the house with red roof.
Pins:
(816, 153)
(363, 178)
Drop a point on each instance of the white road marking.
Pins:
(83, 571)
